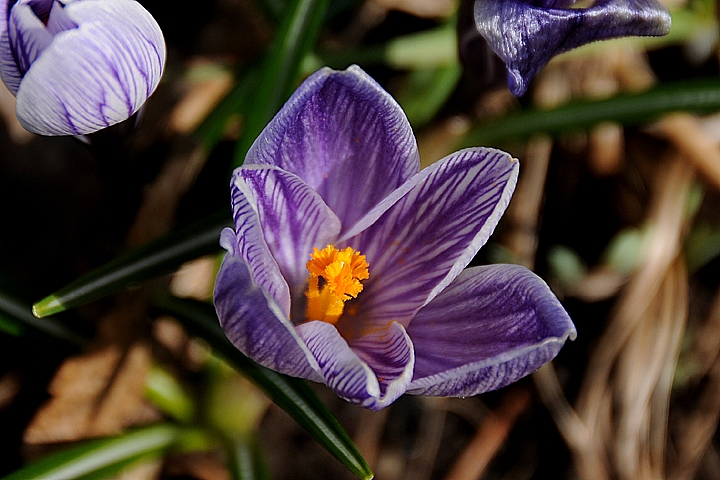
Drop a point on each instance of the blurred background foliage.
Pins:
(617, 207)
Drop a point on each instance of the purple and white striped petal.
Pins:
(491, 326)
(390, 354)
(249, 244)
(92, 76)
(9, 70)
(527, 34)
(427, 236)
(373, 371)
(254, 323)
(339, 129)
(28, 36)
(293, 217)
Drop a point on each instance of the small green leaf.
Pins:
(627, 109)
(566, 265)
(294, 39)
(232, 405)
(625, 251)
(291, 394)
(96, 455)
(427, 49)
(165, 392)
(156, 258)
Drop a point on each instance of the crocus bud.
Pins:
(526, 34)
(78, 66)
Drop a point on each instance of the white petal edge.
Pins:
(501, 368)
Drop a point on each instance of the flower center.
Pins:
(335, 277)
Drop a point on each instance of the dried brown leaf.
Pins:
(94, 394)
(200, 98)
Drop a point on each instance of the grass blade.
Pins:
(96, 455)
(627, 109)
(246, 459)
(156, 258)
(16, 318)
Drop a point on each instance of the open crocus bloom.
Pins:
(526, 34)
(346, 265)
(78, 66)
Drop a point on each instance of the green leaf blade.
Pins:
(16, 317)
(246, 459)
(627, 109)
(156, 258)
(95, 455)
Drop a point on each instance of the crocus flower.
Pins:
(78, 66)
(346, 265)
(526, 34)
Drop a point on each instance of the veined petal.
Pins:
(249, 244)
(9, 71)
(430, 230)
(95, 75)
(254, 323)
(28, 35)
(491, 326)
(293, 217)
(373, 372)
(339, 129)
(390, 354)
(526, 36)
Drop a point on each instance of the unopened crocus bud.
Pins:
(526, 34)
(78, 66)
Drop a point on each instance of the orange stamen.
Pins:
(341, 272)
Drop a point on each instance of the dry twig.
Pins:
(490, 437)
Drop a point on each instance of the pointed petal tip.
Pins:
(572, 332)
(228, 240)
(516, 83)
(339, 127)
